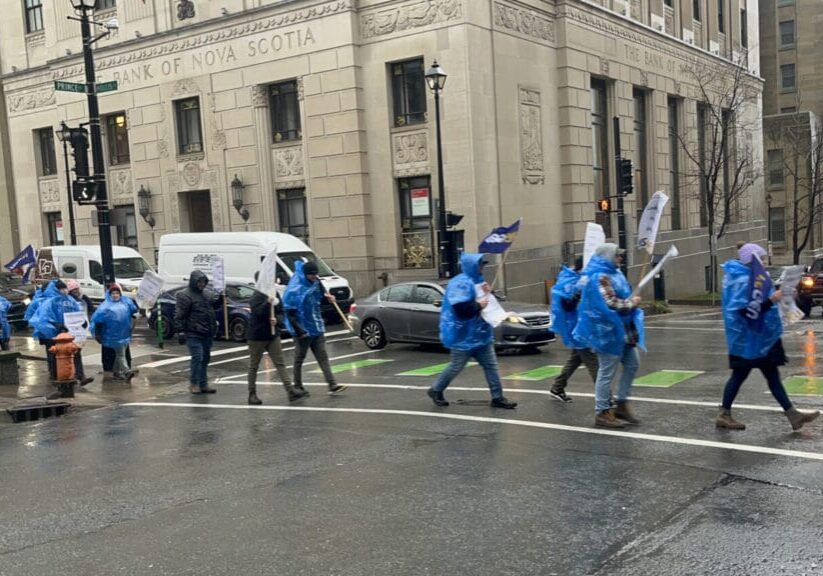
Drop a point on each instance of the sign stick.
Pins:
(499, 268)
(159, 324)
(226, 315)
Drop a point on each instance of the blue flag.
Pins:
(26, 259)
(760, 286)
(499, 240)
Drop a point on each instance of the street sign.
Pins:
(69, 87)
(107, 86)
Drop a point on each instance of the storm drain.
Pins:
(32, 412)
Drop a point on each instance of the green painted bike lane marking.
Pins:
(337, 368)
(804, 385)
(541, 373)
(666, 378)
(432, 370)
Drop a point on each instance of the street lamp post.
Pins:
(64, 135)
(436, 80)
(84, 9)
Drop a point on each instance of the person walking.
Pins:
(301, 302)
(611, 324)
(112, 325)
(47, 322)
(88, 309)
(565, 300)
(196, 324)
(753, 329)
(466, 334)
(264, 337)
(5, 328)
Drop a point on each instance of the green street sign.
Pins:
(107, 86)
(69, 87)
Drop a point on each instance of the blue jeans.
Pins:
(485, 356)
(200, 351)
(606, 373)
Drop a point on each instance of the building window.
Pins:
(291, 207)
(34, 15)
(105, 4)
(674, 162)
(641, 177)
(600, 147)
(45, 149)
(408, 92)
(189, 136)
(696, 10)
(54, 226)
(774, 161)
(721, 16)
(416, 222)
(285, 111)
(744, 28)
(787, 34)
(117, 135)
(777, 225)
(787, 81)
(702, 127)
(122, 218)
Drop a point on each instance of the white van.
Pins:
(242, 253)
(83, 263)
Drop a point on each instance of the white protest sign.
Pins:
(493, 313)
(672, 253)
(650, 222)
(267, 278)
(788, 305)
(76, 324)
(594, 238)
(218, 274)
(149, 290)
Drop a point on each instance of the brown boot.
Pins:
(624, 412)
(606, 419)
(798, 418)
(725, 420)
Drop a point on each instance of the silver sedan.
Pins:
(410, 312)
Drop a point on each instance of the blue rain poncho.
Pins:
(303, 297)
(455, 333)
(111, 322)
(563, 321)
(601, 328)
(5, 329)
(41, 294)
(741, 338)
(48, 320)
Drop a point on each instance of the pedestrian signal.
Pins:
(604, 205)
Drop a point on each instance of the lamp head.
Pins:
(83, 5)
(436, 77)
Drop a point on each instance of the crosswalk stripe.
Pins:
(537, 374)
(337, 368)
(804, 385)
(432, 370)
(666, 378)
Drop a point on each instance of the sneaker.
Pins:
(502, 402)
(336, 388)
(437, 398)
(559, 395)
(303, 392)
(84, 381)
(296, 393)
(606, 419)
(120, 377)
(254, 400)
(195, 390)
(624, 412)
(208, 390)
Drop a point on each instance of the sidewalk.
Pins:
(35, 386)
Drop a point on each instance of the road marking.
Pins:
(337, 368)
(537, 374)
(732, 446)
(685, 328)
(432, 370)
(804, 385)
(286, 349)
(244, 375)
(666, 378)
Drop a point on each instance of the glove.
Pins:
(181, 338)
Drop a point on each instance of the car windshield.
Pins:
(289, 258)
(239, 292)
(130, 267)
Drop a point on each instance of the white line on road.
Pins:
(486, 419)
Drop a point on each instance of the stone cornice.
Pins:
(384, 20)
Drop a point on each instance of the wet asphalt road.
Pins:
(379, 481)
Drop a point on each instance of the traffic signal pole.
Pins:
(621, 215)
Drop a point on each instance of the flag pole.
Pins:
(499, 269)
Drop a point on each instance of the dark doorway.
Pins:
(195, 212)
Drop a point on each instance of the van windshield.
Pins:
(130, 267)
(289, 258)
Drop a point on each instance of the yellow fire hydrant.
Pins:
(64, 351)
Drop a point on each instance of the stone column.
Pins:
(260, 104)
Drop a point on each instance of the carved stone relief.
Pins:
(218, 137)
(49, 195)
(637, 9)
(531, 137)
(288, 166)
(410, 154)
(192, 173)
(121, 184)
(525, 22)
(259, 96)
(185, 9)
(31, 100)
(604, 66)
(409, 15)
(668, 14)
(185, 87)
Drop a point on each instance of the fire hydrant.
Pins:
(64, 351)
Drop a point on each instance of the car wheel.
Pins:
(168, 327)
(237, 329)
(373, 335)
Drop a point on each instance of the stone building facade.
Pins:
(319, 109)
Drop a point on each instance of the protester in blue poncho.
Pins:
(5, 329)
(565, 300)
(753, 330)
(40, 295)
(301, 302)
(611, 323)
(465, 333)
(47, 322)
(111, 324)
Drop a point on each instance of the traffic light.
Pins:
(626, 173)
(453, 219)
(79, 140)
(604, 205)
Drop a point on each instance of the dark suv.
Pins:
(810, 289)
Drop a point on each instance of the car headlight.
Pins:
(807, 282)
(27, 301)
(514, 319)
